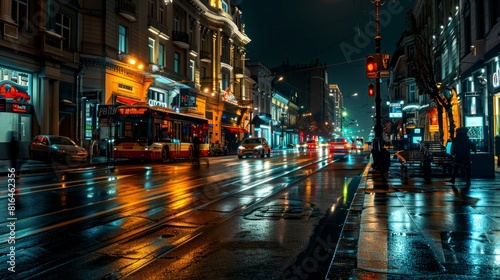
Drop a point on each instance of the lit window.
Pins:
(151, 47)
(161, 57)
(225, 7)
(122, 39)
(176, 62)
(191, 70)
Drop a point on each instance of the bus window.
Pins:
(156, 132)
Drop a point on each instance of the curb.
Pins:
(344, 259)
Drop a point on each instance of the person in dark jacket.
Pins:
(460, 150)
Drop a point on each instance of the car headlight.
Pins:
(258, 147)
(241, 148)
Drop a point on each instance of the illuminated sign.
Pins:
(153, 102)
(19, 108)
(132, 111)
(496, 83)
(395, 110)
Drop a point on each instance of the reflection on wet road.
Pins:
(118, 222)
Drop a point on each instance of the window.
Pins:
(176, 23)
(152, 8)
(203, 72)
(412, 97)
(161, 15)
(467, 26)
(225, 7)
(225, 81)
(122, 39)
(204, 42)
(63, 28)
(161, 55)
(151, 50)
(176, 62)
(20, 12)
(191, 70)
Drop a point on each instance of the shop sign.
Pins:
(153, 102)
(495, 82)
(395, 110)
(106, 111)
(132, 111)
(187, 99)
(19, 108)
(14, 91)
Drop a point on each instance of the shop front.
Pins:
(479, 108)
(16, 111)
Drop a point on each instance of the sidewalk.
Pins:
(420, 229)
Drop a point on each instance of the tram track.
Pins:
(80, 255)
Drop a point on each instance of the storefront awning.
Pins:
(261, 119)
(233, 129)
(126, 101)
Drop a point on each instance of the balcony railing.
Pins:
(127, 9)
(180, 39)
(155, 26)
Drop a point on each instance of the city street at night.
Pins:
(245, 218)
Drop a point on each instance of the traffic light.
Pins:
(372, 66)
(371, 89)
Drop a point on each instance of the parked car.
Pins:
(56, 148)
(339, 145)
(256, 146)
(312, 144)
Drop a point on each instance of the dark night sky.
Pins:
(339, 33)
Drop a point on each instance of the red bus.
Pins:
(157, 133)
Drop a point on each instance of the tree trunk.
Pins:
(451, 121)
(440, 121)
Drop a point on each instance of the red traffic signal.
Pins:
(371, 89)
(372, 66)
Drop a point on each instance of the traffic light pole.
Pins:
(381, 157)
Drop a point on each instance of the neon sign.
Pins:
(132, 111)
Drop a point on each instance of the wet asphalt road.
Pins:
(233, 219)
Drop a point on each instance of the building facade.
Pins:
(62, 61)
(39, 63)
(307, 85)
(464, 38)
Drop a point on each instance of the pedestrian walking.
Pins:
(196, 151)
(460, 150)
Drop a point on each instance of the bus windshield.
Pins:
(132, 130)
